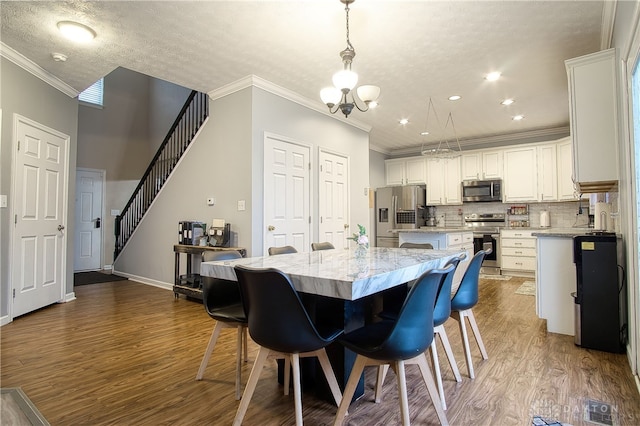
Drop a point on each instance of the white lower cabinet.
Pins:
(517, 252)
(445, 240)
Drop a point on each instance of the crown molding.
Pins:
(36, 70)
(494, 141)
(261, 83)
(608, 20)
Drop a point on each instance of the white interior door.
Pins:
(88, 227)
(334, 200)
(286, 194)
(38, 264)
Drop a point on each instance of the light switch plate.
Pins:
(3, 201)
(241, 205)
(115, 212)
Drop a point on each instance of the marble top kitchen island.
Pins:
(340, 273)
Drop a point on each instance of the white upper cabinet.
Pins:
(405, 171)
(566, 187)
(520, 174)
(481, 165)
(443, 181)
(594, 116)
(547, 172)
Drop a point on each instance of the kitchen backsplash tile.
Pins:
(562, 214)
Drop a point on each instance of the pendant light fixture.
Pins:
(444, 149)
(340, 97)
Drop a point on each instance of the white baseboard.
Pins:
(4, 320)
(145, 280)
(107, 267)
(69, 297)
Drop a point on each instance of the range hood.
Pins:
(597, 187)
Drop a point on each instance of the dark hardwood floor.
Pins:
(125, 353)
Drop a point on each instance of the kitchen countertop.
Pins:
(435, 229)
(562, 232)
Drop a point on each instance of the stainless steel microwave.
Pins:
(474, 191)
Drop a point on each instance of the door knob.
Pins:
(346, 226)
(271, 228)
(97, 220)
(60, 227)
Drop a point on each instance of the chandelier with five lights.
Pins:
(340, 97)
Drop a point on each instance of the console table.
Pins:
(189, 284)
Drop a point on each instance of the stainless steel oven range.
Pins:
(486, 234)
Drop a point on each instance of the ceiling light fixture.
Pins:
(404, 121)
(444, 148)
(493, 76)
(76, 31)
(344, 81)
(507, 102)
(518, 117)
(455, 97)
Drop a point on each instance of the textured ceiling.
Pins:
(413, 50)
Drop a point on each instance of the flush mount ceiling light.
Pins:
(455, 97)
(76, 31)
(340, 97)
(444, 148)
(507, 102)
(518, 117)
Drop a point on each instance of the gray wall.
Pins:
(225, 162)
(24, 94)
(123, 136)
(376, 180)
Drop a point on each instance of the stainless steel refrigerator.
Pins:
(398, 207)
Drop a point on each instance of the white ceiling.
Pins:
(413, 50)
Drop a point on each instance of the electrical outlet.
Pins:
(211, 201)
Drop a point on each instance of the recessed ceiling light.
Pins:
(493, 76)
(518, 117)
(404, 121)
(425, 133)
(507, 102)
(76, 31)
(455, 97)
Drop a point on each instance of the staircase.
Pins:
(190, 119)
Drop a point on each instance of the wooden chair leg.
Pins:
(447, 349)
(436, 370)
(239, 362)
(244, 342)
(297, 391)
(421, 360)
(476, 333)
(382, 373)
(402, 390)
(330, 375)
(251, 385)
(350, 388)
(207, 353)
(287, 375)
(465, 342)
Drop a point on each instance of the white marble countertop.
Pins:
(339, 273)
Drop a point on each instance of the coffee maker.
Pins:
(219, 233)
(431, 216)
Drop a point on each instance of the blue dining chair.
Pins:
(441, 313)
(397, 343)
(280, 325)
(221, 300)
(463, 301)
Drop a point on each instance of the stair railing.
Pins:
(191, 117)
